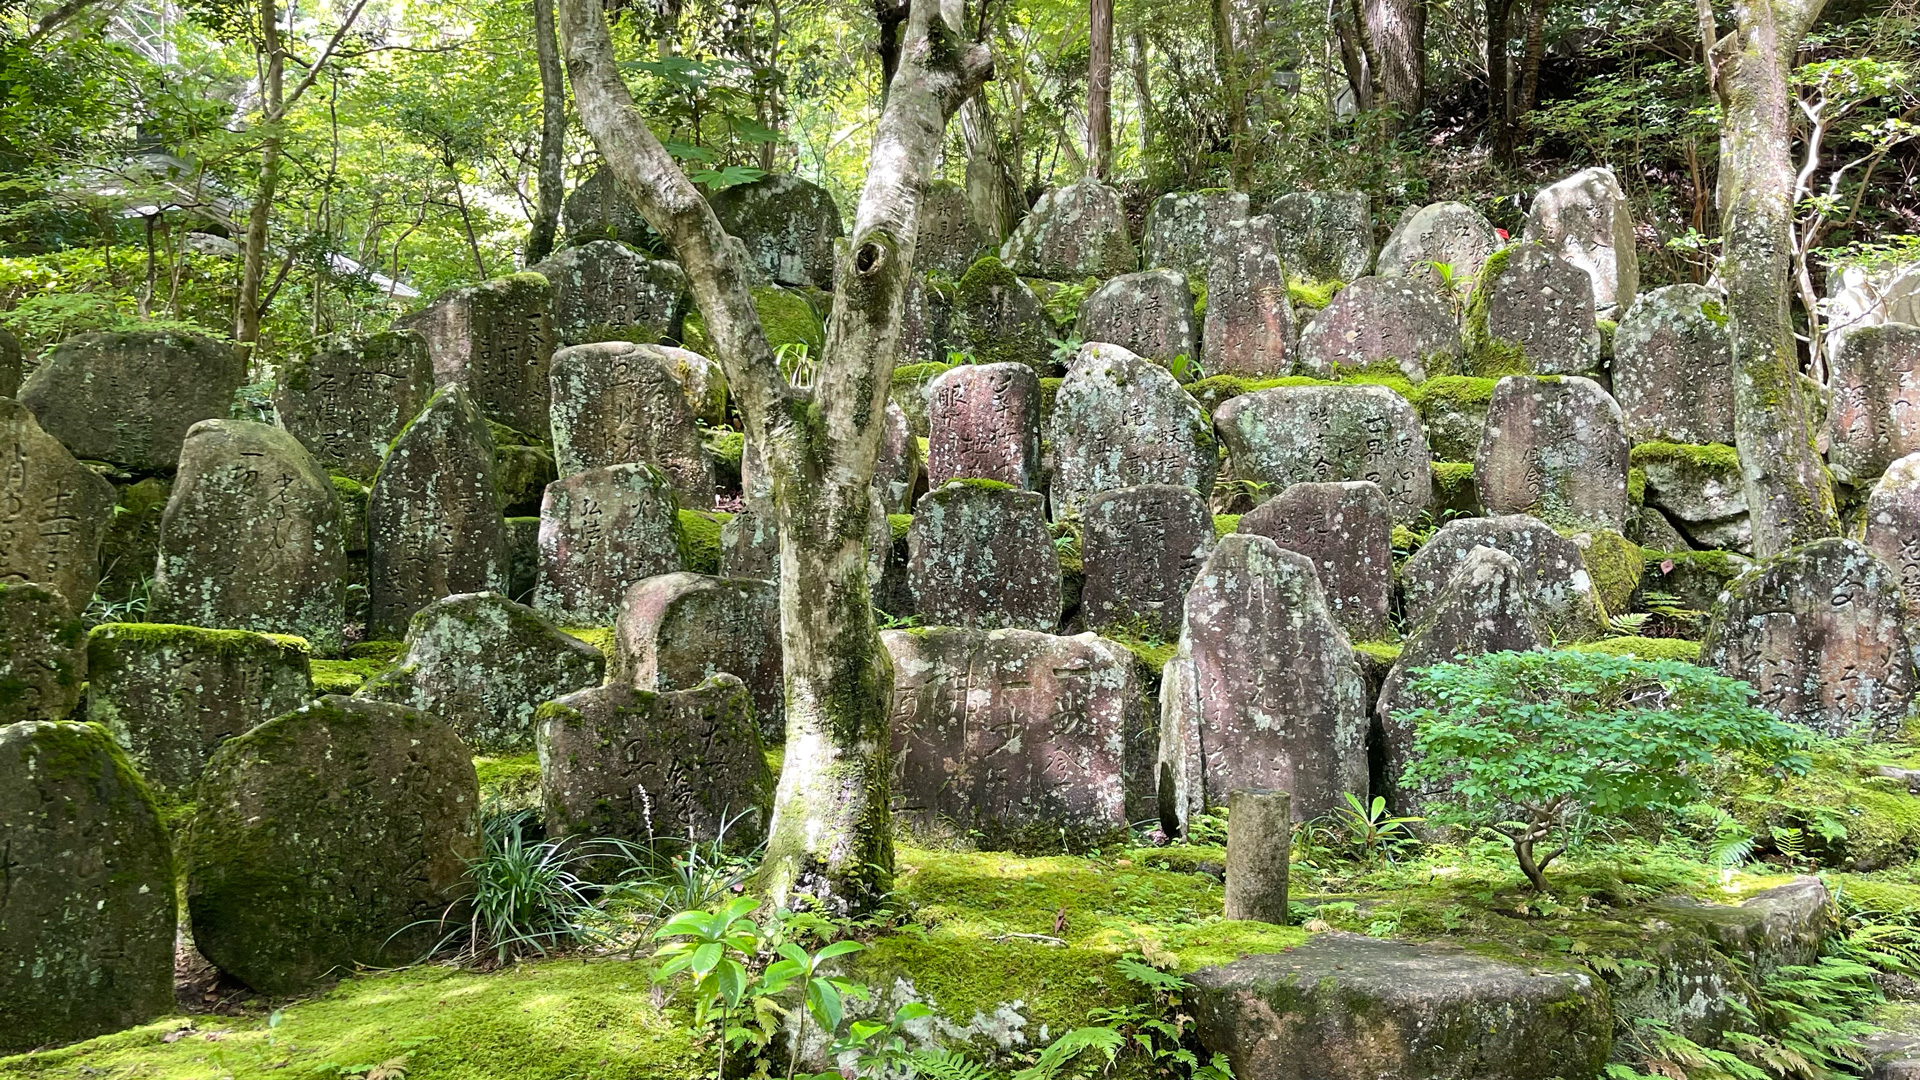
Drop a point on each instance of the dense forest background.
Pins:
(400, 143)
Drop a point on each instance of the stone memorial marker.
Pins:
(1324, 235)
(946, 238)
(53, 510)
(1485, 607)
(981, 557)
(129, 396)
(43, 657)
(433, 528)
(599, 210)
(1248, 327)
(679, 630)
(1532, 311)
(348, 401)
(1379, 322)
(702, 379)
(1149, 314)
(601, 532)
(1122, 421)
(483, 663)
(1184, 228)
(788, 226)
(1560, 591)
(1587, 220)
(998, 318)
(1141, 547)
(928, 330)
(1819, 632)
(1673, 367)
(1073, 232)
(1701, 489)
(615, 403)
(496, 340)
(1893, 525)
(1345, 529)
(604, 290)
(983, 422)
(1011, 739)
(1556, 449)
(1450, 233)
(334, 835)
(1291, 434)
(12, 363)
(252, 538)
(635, 764)
(88, 902)
(898, 469)
(172, 694)
(1263, 691)
(1875, 415)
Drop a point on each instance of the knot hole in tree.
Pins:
(869, 258)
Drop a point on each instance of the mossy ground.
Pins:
(344, 676)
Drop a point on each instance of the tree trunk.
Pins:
(1142, 90)
(830, 841)
(1226, 63)
(1398, 32)
(1353, 59)
(553, 136)
(1499, 130)
(1536, 49)
(253, 252)
(1788, 493)
(890, 14)
(1100, 87)
(992, 185)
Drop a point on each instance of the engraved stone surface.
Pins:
(1451, 233)
(1248, 328)
(787, 224)
(1149, 314)
(1346, 529)
(1292, 434)
(54, 511)
(1893, 525)
(946, 238)
(1559, 588)
(1073, 232)
(983, 422)
(1324, 235)
(981, 556)
(1557, 449)
(598, 210)
(43, 657)
(496, 340)
(678, 630)
(1141, 547)
(1379, 321)
(1532, 311)
(1673, 367)
(998, 318)
(601, 532)
(347, 402)
(128, 397)
(1122, 421)
(1874, 418)
(1587, 220)
(1184, 228)
(617, 402)
(605, 289)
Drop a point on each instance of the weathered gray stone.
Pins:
(54, 511)
(11, 363)
(1819, 633)
(1263, 691)
(604, 290)
(897, 472)
(703, 381)
(750, 546)
(1875, 414)
(1248, 329)
(1347, 1007)
(788, 226)
(1324, 235)
(928, 330)
(598, 210)
(43, 658)
(678, 630)
(617, 402)
(346, 402)
(1673, 367)
(1345, 529)
(1122, 421)
(1259, 840)
(483, 663)
(172, 694)
(1149, 314)
(522, 468)
(1454, 410)
(1291, 434)
(1485, 607)
(1893, 525)
(1012, 739)
(129, 396)
(983, 422)
(1073, 232)
(981, 557)
(433, 528)
(1382, 322)
(1184, 228)
(634, 764)
(252, 538)
(1555, 448)
(1650, 529)
(496, 340)
(998, 318)
(1558, 586)
(1532, 311)
(601, 532)
(1700, 489)
(87, 914)
(1587, 220)
(1141, 548)
(946, 238)
(1450, 233)
(335, 835)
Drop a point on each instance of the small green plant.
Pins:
(1371, 830)
(797, 363)
(1186, 369)
(713, 948)
(1208, 827)
(1065, 349)
(525, 896)
(1570, 741)
(961, 357)
(823, 996)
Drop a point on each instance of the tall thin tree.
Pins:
(1100, 87)
(551, 178)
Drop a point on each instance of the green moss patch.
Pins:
(1615, 564)
(600, 637)
(1704, 455)
(1645, 648)
(511, 781)
(1224, 524)
(788, 319)
(344, 676)
(1384, 651)
(1306, 292)
(700, 539)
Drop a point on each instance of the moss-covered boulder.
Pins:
(1616, 565)
(87, 911)
(1454, 410)
(1560, 586)
(1183, 228)
(496, 340)
(788, 319)
(1247, 327)
(1587, 220)
(981, 556)
(1149, 314)
(1380, 322)
(483, 663)
(1324, 235)
(1292, 434)
(1531, 312)
(43, 660)
(998, 318)
(1695, 578)
(679, 630)
(1121, 421)
(908, 389)
(1673, 367)
(172, 694)
(615, 403)
(1875, 388)
(602, 531)
(597, 209)
(129, 396)
(57, 510)
(346, 401)
(1071, 233)
(1700, 489)
(946, 237)
(523, 466)
(787, 225)
(132, 539)
(1554, 447)
(335, 835)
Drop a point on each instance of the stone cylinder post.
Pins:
(1259, 837)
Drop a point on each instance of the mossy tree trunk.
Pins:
(830, 842)
(1100, 87)
(553, 136)
(1788, 492)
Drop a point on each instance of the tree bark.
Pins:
(1100, 87)
(253, 250)
(553, 136)
(1142, 90)
(889, 14)
(1398, 32)
(1353, 59)
(992, 185)
(1499, 130)
(1536, 48)
(1788, 493)
(1226, 63)
(830, 842)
